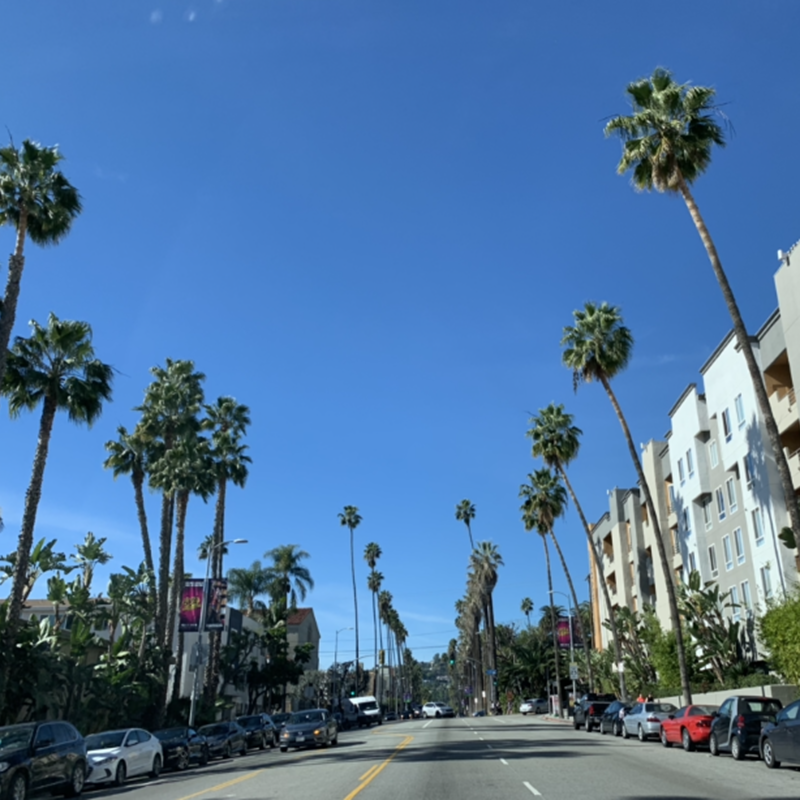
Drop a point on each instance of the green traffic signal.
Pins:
(352, 693)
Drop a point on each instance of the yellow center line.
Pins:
(377, 771)
(225, 785)
(368, 772)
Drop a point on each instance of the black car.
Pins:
(589, 709)
(259, 730)
(41, 757)
(780, 740)
(181, 746)
(309, 729)
(738, 723)
(224, 739)
(611, 719)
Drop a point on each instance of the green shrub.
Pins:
(779, 629)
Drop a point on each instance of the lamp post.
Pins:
(200, 658)
(571, 645)
(336, 665)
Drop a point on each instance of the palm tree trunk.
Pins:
(355, 596)
(469, 531)
(176, 589)
(553, 621)
(743, 340)
(215, 644)
(589, 670)
(25, 542)
(16, 264)
(375, 631)
(137, 479)
(662, 553)
(598, 565)
(164, 552)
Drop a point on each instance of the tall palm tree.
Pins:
(372, 552)
(598, 348)
(465, 512)
(667, 144)
(486, 560)
(246, 585)
(289, 578)
(204, 550)
(527, 607)
(351, 519)
(56, 366)
(374, 583)
(41, 204)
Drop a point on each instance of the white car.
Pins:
(436, 710)
(533, 707)
(115, 756)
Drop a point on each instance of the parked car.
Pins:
(260, 730)
(390, 716)
(589, 710)
(611, 718)
(780, 740)
(41, 757)
(538, 706)
(279, 720)
(436, 709)
(224, 739)
(416, 710)
(644, 720)
(309, 729)
(737, 726)
(479, 713)
(689, 726)
(115, 756)
(180, 746)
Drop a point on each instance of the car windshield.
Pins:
(699, 711)
(249, 723)
(304, 717)
(105, 741)
(371, 705)
(659, 708)
(214, 730)
(15, 736)
(170, 733)
(279, 719)
(770, 707)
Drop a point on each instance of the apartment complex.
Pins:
(714, 482)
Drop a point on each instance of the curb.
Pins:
(549, 718)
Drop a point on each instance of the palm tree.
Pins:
(598, 348)
(465, 512)
(557, 442)
(374, 583)
(205, 547)
(667, 143)
(527, 608)
(350, 518)
(246, 584)
(55, 366)
(287, 575)
(41, 204)
(89, 555)
(372, 552)
(486, 560)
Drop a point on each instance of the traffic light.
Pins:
(352, 693)
(381, 657)
(452, 661)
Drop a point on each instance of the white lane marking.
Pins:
(427, 723)
(502, 722)
(504, 761)
(532, 789)
(490, 747)
(481, 738)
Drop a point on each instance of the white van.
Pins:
(362, 711)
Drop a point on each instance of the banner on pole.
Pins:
(562, 633)
(215, 605)
(191, 603)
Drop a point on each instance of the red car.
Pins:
(689, 726)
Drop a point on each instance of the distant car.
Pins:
(41, 757)
(780, 740)
(312, 728)
(538, 706)
(436, 709)
(689, 726)
(115, 756)
(611, 718)
(390, 716)
(738, 724)
(406, 713)
(416, 710)
(224, 739)
(479, 713)
(180, 746)
(644, 720)
(260, 730)
(589, 709)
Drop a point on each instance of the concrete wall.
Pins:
(786, 693)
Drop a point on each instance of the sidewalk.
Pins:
(551, 718)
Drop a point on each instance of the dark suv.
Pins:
(41, 757)
(738, 723)
(259, 730)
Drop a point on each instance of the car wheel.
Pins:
(121, 774)
(335, 739)
(589, 727)
(666, 742)
(284, 749)
(155, 771)
(262, 744)
(641, 734)
(183, 760)
(737, 751)
(625, 734)
(576, 724)
(686, 741)
(273, 741)
(204, 757)
(617, 729)
(768, 754)
(226, 751)
(77, 781)
(602, 729)
(713, 745)
(243, 750)
(438, 714)
(19, 787)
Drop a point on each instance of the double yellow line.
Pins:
(373, 772)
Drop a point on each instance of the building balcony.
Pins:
(784, 408)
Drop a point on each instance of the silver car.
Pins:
(436, 709)
(539, 706)
(644, 720)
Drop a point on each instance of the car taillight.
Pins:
(740, 723)
(590, 712)
(653, 719)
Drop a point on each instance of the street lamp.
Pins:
(200, 627)
(571, 645)
(336, 665)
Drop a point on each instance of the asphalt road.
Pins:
(472, 759)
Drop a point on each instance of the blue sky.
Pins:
(370, 221)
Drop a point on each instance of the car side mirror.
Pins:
(714, 714)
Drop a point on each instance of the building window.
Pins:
(726, 549)
(731, 486)
(740, 420)
(713, 454)
(747, 599)
(628, 534)
(726, 424)
(720, 504)
(681, 475)
(707, 516)
(692, 563)
(758, 526)
(671, 505)
(738, 540)
(736, 610)
(632, 567)
(687, 520)
(766, 582)
(690, 462)
(712, 561)
(645, 518)
(748, 469)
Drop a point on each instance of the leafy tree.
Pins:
(465, 512)
(598, 348)
(526, 608)
(667, 144)
(43, 559)
(287, 576)
(37, 200)
(89, 555)
(246, 584)
(779, 629)
(350, 518)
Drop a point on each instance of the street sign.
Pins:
(468, 690)
(491, 672)
(573, 672)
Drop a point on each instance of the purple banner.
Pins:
(191, 602)
(215, 606)
(562, 633)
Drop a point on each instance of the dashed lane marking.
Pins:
(532, 789)
(504, 761)
(225, 785)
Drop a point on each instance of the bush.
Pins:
(780, 631)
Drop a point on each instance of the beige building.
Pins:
(302, 629)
